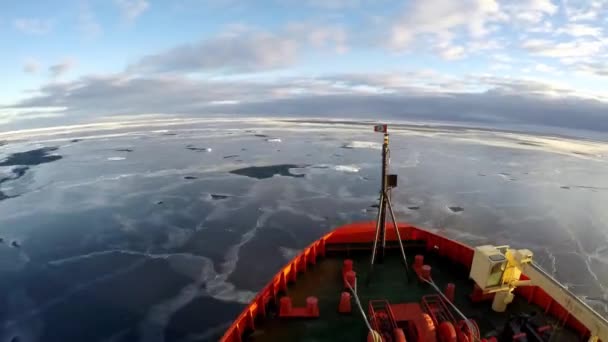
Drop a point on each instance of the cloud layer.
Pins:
(230, 52)
(502, 101)
(242, 49)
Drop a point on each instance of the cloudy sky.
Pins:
(512, 62)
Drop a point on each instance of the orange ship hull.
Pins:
(364, 233)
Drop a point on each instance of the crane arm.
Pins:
(597, 325)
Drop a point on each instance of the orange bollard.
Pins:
(450, 290)
(312, 306)
(350, 278)
(347, 266)
(425, 272)
(345, 306)
(285, 306)
(418, 261)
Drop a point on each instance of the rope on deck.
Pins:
(390, 207)
(472, 328)
(376, 336)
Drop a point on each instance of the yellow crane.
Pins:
(498, 269)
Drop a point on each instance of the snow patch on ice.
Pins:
(347, 168)
(289, 253)
(363, 144)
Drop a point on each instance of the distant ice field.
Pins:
(163, 230)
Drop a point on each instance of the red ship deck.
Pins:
(317, 271)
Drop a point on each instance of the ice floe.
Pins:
(363, 144)
(347, 168)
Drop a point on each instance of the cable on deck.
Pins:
(369, 327)
(390, 208)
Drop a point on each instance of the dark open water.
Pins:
(163, 231)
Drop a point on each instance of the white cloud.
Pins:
(487, 44)
(245, 49)
(131, 9)
(529, 16)
(451, 52)
(33, 26)
(31, 66)
(238, 50)
(501, 57)
(542, 27)
(530, 11)
(571, 49)
(320, 35)
(441, 23)
(87, 22)
(544, 6)
(583, 11)
(500, 66)
(61, 68)
(441, 18)
(581, 30)
(593, 68)
(540, 67)
(455, 29)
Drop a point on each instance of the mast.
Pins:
(387, 183)
(380, 239)
(383, 192)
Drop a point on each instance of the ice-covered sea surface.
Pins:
(162, 231)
